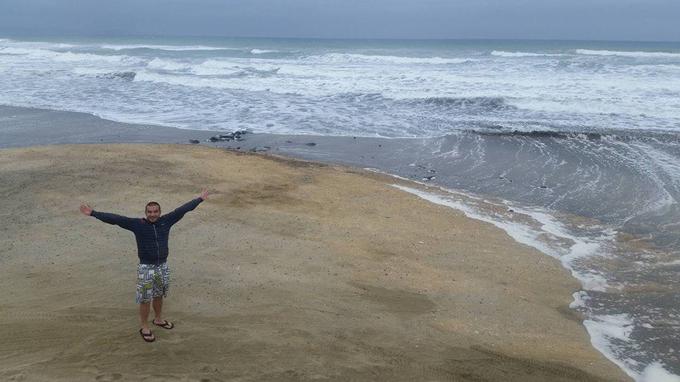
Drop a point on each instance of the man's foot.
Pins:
(165, 324)
(148, 336)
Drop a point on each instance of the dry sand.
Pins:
(290, 271)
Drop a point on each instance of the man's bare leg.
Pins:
(144, 309)
(158, 310)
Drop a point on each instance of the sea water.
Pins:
(574, 145)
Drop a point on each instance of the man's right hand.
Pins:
(85, 209)
(204, 194)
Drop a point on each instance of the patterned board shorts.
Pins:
(152, 281)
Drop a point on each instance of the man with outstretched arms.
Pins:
(153, 274)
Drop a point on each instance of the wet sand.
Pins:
(291, 271)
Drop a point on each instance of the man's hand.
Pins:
(204, 194)
(85, 209)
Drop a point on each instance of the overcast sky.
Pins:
(515, 19)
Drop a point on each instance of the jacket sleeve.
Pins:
(174, 216)
(121, 221)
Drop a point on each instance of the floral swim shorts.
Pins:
(152, 281)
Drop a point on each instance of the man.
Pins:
(153, 275)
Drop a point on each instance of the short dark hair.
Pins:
(152, 204)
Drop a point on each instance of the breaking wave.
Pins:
(353, 58)
(172, 48)
(590, 52)
(262, 51)
(500, 53)
(232, 69)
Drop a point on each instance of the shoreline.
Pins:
(384, 296)
(190, 134)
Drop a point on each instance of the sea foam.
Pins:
(638, 54)
(657, 373)
(567, 248)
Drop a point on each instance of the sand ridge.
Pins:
(292, 270)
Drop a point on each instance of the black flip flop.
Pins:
(165, 325)
(145, 336)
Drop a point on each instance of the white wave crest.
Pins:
(89, 57)
(590, 52)
(36, 44)
(165, 47)
(70, 57)
(215, 68)
(500, 53)
(232, 68)
(240, 79)
(16, 51)
(353, 58)
(262, 51)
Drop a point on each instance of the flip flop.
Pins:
(146, 336)
(165, 325)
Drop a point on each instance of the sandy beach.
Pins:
(291, 271)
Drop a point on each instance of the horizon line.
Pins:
(103, 35)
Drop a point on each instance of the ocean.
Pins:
(571, 147)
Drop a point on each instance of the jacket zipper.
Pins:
(158, 247)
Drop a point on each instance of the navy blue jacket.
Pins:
(152, 238)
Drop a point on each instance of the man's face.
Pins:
(153, 213)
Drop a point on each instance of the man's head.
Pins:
(152, 211)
